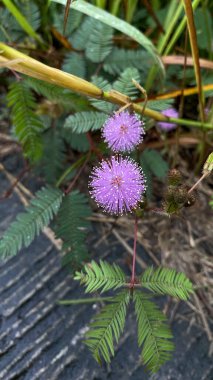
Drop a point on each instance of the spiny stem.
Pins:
(132, 283)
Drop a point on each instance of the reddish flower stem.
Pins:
(132, 283)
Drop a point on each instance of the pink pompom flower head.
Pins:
(117, 185)
(166, 126)
(123, 131)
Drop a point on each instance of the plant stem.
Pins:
(77, 175)
(132, 283)
(70, 169)
(38, 70)
(197, 183)
(84, 300)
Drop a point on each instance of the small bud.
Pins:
(181, 195)
(208, 166)
(174, 177)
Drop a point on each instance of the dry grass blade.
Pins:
(66, 14)
(195, 53)
(176, 93)
(179, 60)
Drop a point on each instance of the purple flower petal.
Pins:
(164, 125)
(123, 131)
(117, 185)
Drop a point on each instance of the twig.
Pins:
(203, 317)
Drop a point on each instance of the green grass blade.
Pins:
(21, 20)
(179, 30)
(195, 53)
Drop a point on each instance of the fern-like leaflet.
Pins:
(107, 327)
(120, 59)
(153, 332)
(72, 226)
(99, 43)
(82, 122)
(28, 126)
(104, 276)
(167, 281)
(124, 83)
(30, 223)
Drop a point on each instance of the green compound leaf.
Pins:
(124, 83)
(107, 327)
(77, 141)
(29, 224)
(167, 281)
(82, 122)
(72, 227)
(53, 159)
(104, 276)
(154, 162)
(28, 126)
(153, 332)
(75, 64)
(99, 43)
(120, 59)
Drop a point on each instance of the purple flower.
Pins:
(117, 185)
(123, 131)
(166, 126)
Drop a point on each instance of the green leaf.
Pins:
(101, 104)
(73, 21)
(80, 37)
(124, 83)
(69, 100)
(154, 161)
(28, 125)
(82, 122)
(104, 275)
(120, 59)
(29, 224)
(77, 141)
(153, 332)
(159, 105)
(75, 64)
(118, 24)
(203, 23)
(72, 226)
(53, 159)
(107, 327)
(99, 43)
(167, 281)
(21, 19)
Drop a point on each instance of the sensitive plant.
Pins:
(102, 66)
